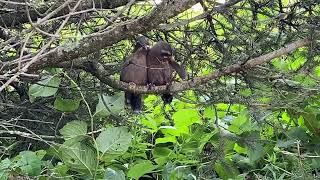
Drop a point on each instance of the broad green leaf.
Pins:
(256, 152)
(41, 153)
(114, 140)
(61, 171)
(169, 130)
(3, 175)
(141, 168)
(305, 80)
(209, 113)
(66, 105)
(239, 149)
(242, 123)
(79, 157)
(226, 169)
(5, 168)
(48, 86)
(171, 171)
(162, 152)
(115, 104)
(166, 139)
(29, 163)
(75, 130)
(298, 133)
(112, 174)
(184, 118)
(311, 122)
(162, 155)
(161, 161)
(5, 164)
(317, 71)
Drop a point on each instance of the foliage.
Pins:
(262, 123)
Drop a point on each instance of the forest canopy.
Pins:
(248, 108)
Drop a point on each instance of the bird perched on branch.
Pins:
(152, 67)
(134, 72)
(161, 63)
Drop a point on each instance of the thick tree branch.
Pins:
(112, 35)
(98, 70)
(20, 12)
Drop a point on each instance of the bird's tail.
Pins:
(167, 98)
(134, 100)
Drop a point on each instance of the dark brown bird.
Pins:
(134, 72)
(160, 62)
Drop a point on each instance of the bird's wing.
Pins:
(135, 68)
(180, 70)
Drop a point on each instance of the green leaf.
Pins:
(41, 153)
(317, 71)
(311, 122)
(239, 149)
(75, 130)
(162, 155)
(66, 105)
(48, 86)
(115, 140)
(112, 174)
(226, 169)
(5, 164)
(5, 168)
(162, 152)
(209, 113)
(3, 175)
(242, 123)
(184, 118)
(115, 104)
(61, 170)
(256, 152)
(298, 133)
(140, 169)
(30, 163)
(166, 139)
(171, 171)
(79, 157)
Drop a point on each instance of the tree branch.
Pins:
(112, 35)
(20, 12)
(98, 70)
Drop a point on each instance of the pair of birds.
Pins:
(150, 66)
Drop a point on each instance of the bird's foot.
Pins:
(137, 111)
(151, 86)
(132, 85)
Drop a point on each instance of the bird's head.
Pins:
(162, 51)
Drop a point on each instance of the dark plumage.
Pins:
(149, 66)
(160, 62)
(134, 72)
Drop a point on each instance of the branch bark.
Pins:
(20, 12)
(95, 42)
(98, 70)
